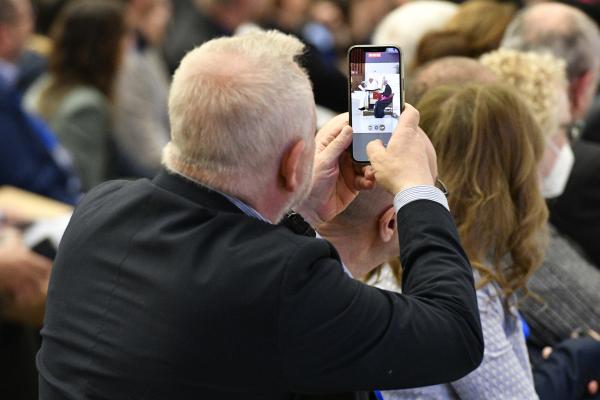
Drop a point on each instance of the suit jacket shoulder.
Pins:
(165, 289)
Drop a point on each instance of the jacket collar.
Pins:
(193, 191)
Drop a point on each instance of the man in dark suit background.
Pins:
(30, 156)
(184, 287)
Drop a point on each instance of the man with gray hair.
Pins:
(186, 287)
(571, 35)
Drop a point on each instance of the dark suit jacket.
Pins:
(165, 290)
(568, 370)
(576, 213)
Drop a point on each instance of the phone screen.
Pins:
(376, 95)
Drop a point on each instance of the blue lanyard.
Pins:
(378, 395)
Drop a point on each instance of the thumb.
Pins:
(374, 149)
(338, 145)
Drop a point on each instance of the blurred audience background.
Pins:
(83, 99)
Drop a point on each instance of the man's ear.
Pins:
(290, 168)
(387, 224)
(582, 89)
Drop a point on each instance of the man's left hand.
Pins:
(336, 179)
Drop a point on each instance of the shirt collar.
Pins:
(245, 208)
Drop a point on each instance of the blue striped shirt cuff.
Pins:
(421, 192)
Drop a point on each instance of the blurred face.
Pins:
(14, 35)
(559, 159)
(328, 14)
(154, 22)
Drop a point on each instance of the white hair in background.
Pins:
(407, 24)
(574, 36)
(235, 105)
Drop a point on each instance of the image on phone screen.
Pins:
(375, 96)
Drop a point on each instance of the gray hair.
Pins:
(231, 117)
(575, 38)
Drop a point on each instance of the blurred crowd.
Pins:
(507, 92)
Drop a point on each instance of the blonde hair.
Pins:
(538, 77)
(235, 104)
(488, 148)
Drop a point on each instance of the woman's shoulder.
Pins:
(84, 97)
(74, 100)
(32, 95)
(491, 300)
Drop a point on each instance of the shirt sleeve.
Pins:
(421, 192)
(505, 372)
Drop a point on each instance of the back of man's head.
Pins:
(444, 71)
(560, 29)
(366, 208)
(235, 105)
(365, 232)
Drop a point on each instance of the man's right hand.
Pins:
(409, 159)
(23, 278)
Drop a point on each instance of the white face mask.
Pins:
(554, 184)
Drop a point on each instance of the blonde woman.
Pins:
(488, 147)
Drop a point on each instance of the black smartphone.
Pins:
(375, 95)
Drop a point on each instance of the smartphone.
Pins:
(375, 95)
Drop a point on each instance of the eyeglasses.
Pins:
(442, 186)
(573, 130)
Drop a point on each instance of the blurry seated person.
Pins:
(30, 156)
(567, 284)
(371, 86)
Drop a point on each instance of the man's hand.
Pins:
(23, 278)
(409, 159)
(336, 180)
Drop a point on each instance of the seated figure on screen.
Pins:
(371, 86)
(387, 96)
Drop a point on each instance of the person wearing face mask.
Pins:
(565, 287)
(554, 116)
(571, 35)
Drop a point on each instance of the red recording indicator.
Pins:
(373, 55)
